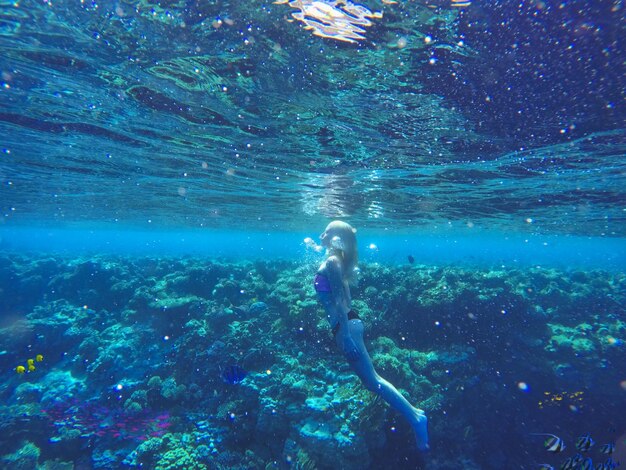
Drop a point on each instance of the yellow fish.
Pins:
(39, 358)
(31, 362)
(20, 369)
(31, 367)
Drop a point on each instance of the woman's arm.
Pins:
(334, 273)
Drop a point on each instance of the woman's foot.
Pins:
(420, 427)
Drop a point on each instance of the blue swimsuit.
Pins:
(322, 284)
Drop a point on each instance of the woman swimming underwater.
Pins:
(332, 284)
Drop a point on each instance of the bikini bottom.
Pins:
(352, 315)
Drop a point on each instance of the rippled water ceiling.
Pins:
(392, 114)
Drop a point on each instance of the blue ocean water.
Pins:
(163, 162)
(451, 246)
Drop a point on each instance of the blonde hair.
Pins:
(349, 250)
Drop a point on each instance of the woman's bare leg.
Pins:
(375, 383)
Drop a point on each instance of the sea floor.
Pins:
(198, 363)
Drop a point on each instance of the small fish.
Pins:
(31, 362)
(20, 369)
(607, 448)
(233, 374)
(552, 443)
(587, 464)
(39, 357)
(572, 462)
(411, 259)
(584, 443)
(610, 464)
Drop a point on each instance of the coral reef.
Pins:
(135, 348)
(25, 458)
